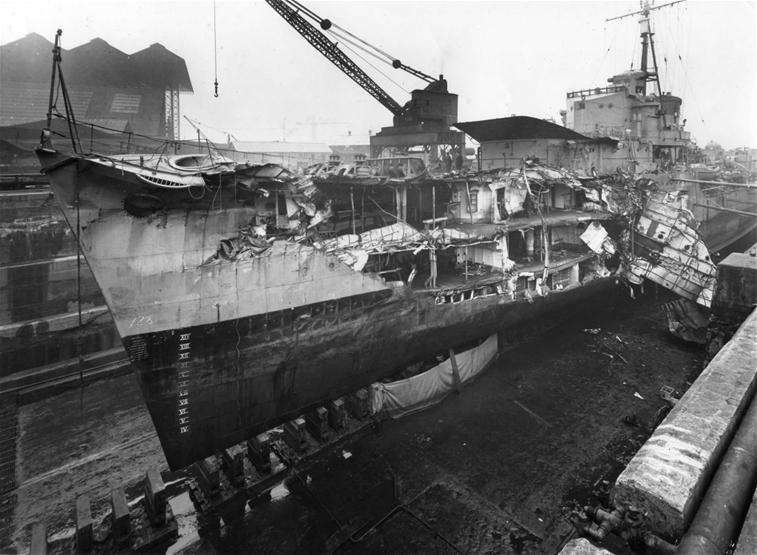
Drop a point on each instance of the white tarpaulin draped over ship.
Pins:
(397, 399)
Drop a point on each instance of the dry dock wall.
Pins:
(40, 286)
(736, 290)
(747, 542)
(671, 471)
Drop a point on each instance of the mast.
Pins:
(647, 45)
(647, 42)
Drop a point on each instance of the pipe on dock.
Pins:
(658, 546)
(728, 497)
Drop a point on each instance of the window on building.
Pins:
(125, 103)
(474, 200)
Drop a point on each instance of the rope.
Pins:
(687, 84)
(600, 69)
(78, 287)
(162, 143)
(394, 216)
(215, 50)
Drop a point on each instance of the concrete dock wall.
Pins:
(40, 288)
(671, 471)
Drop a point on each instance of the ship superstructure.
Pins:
(640, 129)
(634, 110)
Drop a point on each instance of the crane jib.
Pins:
(332, 52)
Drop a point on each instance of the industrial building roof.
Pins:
(96, 63)
(517, 127)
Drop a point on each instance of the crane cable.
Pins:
(355, 53)
(215, 50)
(346, 41)
(388, 56)
(333, 31)
(331, 26)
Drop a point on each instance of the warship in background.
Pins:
(246, 295)
(649, 128)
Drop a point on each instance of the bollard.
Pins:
(259, 452)
(337, 415)
(83, 524)
(233, 464)
(294, 434)
(359, 403)
(39, 539)
(155, 497)
(121, 516)
(317, 422)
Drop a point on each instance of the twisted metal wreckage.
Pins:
(660, 241)
(247, 295)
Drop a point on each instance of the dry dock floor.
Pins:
(495, 469)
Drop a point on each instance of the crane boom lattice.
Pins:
(332, 52)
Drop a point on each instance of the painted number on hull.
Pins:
(141, 321)
(182, 407)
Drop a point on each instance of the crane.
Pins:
(436, 108)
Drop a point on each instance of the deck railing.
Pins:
(597, 91)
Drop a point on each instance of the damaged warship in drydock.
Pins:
(246, 295)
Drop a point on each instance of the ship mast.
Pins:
(647, 42)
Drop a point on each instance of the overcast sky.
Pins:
(501, 58)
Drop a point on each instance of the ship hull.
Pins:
(227, 347)
(211, 386)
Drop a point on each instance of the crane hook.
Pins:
(216, 89)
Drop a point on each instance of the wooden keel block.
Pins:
(83, 524)
(259, 452)
(337, 415)
(38, 544)
(120, 515)
(318, 423)
(294, 434)
(208, 473)
(359, 403)
(155, 496)
(233, 464)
